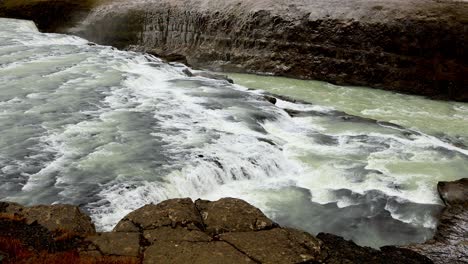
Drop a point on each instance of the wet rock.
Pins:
(212, 75)
(450, 242)
(175, 212)
(116, 243)
(197, 253)
(270, 99)
(338, 250)
(454, 193)
(232, 215)
(188, 72)
(276, 245)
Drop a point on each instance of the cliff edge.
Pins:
(224, 231)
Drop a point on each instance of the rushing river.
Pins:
(112, 130)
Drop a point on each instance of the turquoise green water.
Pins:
(428, 116)
(113, 130)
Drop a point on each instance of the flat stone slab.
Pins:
(175, 212)
(232, 215)
(175, 234)
(276, 245)
(117, 243)
(194, 253)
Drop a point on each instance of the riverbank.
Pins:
(225, 231)
(414, 47)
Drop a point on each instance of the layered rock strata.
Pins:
(415, 46)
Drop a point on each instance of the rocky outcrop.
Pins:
(340, 251)
(63, 218)
(183, 231)
(415, 46)
(450, 242)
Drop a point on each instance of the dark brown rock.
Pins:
(276, 245)
(175, 234)
(116, 243)
(52, 15)
(196, 253)
(338, 250)
(450, 242)
(225, 231)
(212, 75)
(454, 193)
(175, 212)
(63, 218)
(232, 215)
(11, 208)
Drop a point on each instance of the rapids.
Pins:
(112, 130)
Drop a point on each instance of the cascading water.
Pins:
(112, 130)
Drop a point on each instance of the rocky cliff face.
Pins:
(407, 46)
(415, 46)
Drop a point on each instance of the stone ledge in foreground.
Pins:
(224, 231)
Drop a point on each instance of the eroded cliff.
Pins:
(413, 46)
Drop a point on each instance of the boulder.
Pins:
(454, 193)
(232, 215)
(173, 213)
(56, 218)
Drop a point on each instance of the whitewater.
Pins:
(113, 130)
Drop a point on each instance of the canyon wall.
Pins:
(415, 46)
